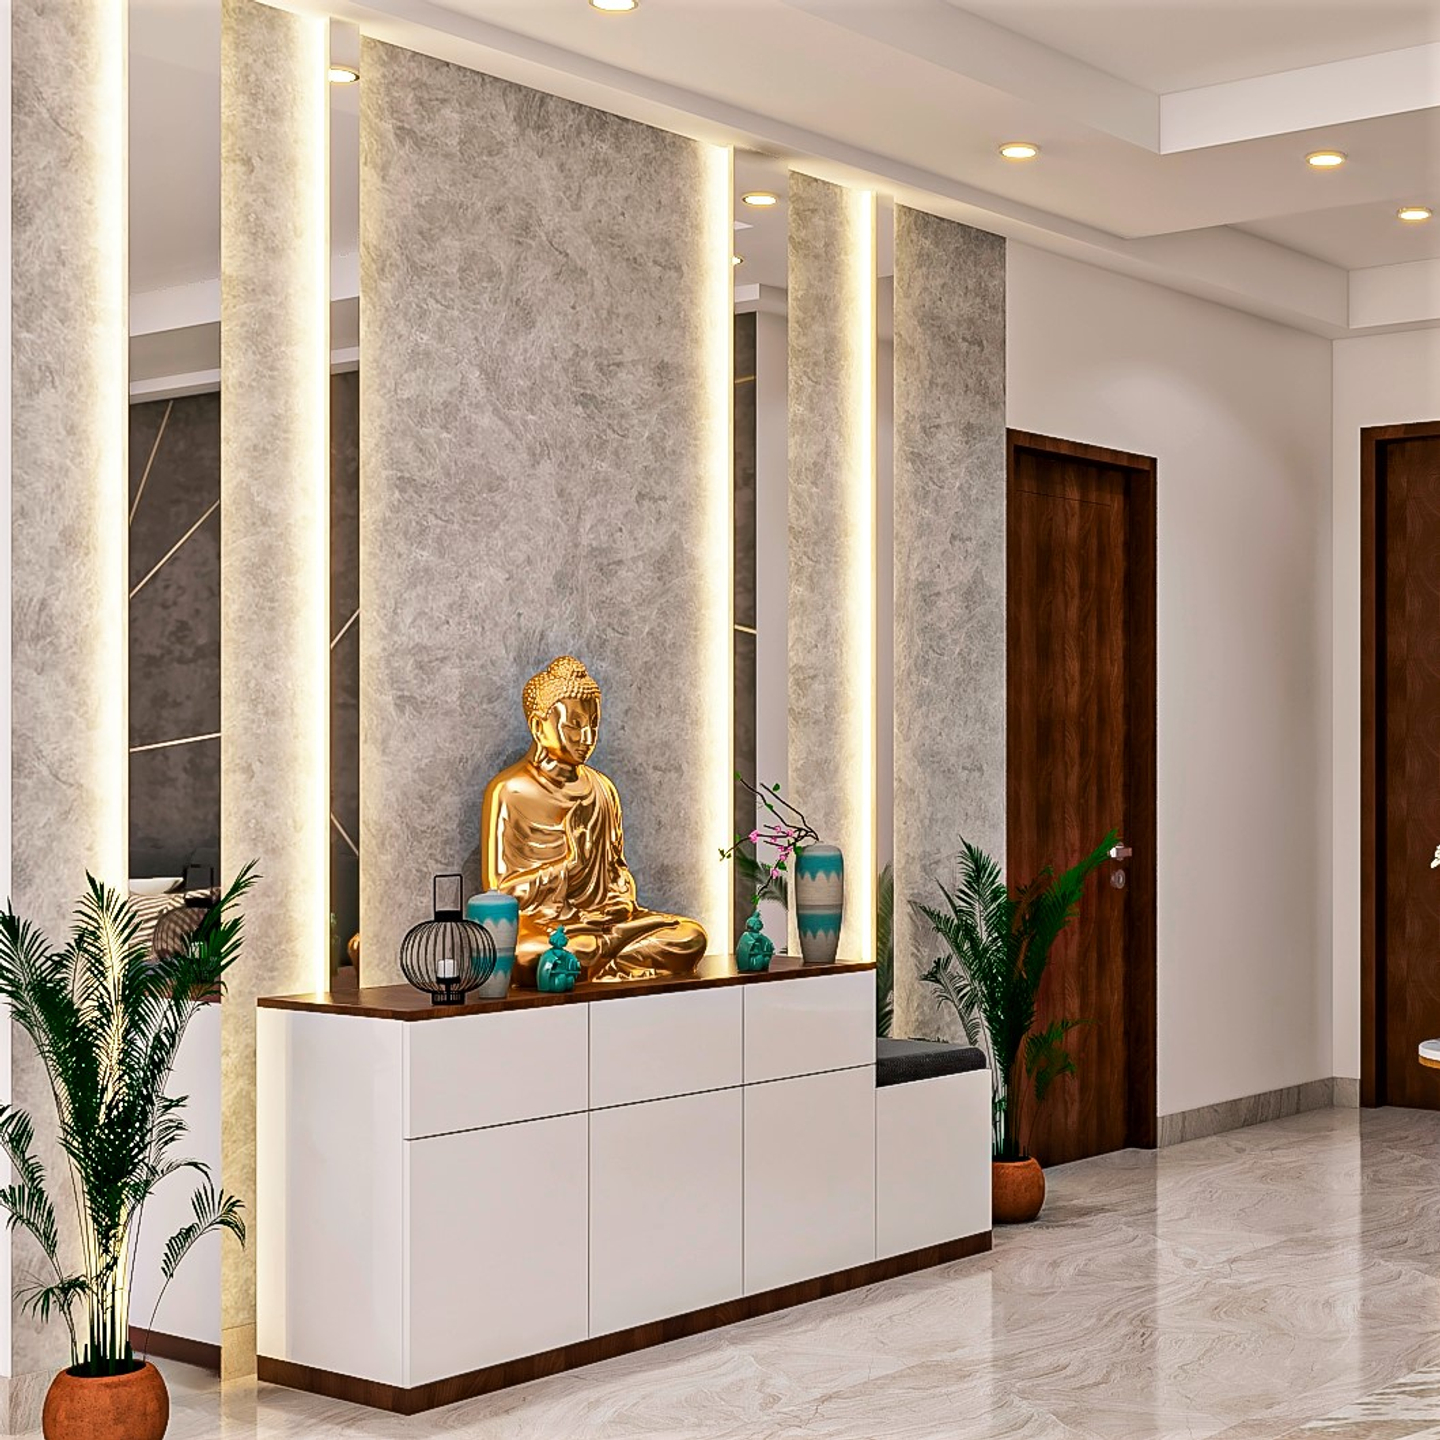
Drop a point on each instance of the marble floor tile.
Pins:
(1281, 1281)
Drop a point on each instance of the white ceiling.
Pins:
(1178, 44)
(913, 96)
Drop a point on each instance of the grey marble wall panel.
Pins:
(832, 576)
(949, 573)
(67, 541)
(535, 398)
(275, 495)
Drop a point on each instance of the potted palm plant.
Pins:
(107, 1017)
(997, 948)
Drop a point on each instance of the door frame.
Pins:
(1141, 1119)
(1373, 440)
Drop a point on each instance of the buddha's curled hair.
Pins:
(564, 678)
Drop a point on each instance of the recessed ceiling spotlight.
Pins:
(1414, 214)
(343, 75)
(1019, 150)
(761, 199)
(1325, 159)
(615, 7)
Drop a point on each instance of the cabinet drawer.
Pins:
(648, 1047)
(801, 1027)
(471, 1070)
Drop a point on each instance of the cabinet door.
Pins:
(809, 1176)
(665, 1208)
(498, 1239)
(932, 1162)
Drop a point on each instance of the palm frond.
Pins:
(1046, 1058)
(885, 950)
(107, 1024)
(999, 944)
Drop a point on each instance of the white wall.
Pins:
(191, 1306)
(1378, 380)
(1237, 411)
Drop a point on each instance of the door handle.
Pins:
(1120, 852)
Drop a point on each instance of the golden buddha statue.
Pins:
(552, 836)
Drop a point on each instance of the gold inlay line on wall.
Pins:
(170, 744)
(154, 451)
(341, 633)
(170, 553)
(344, 835)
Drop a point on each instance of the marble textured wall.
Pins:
(274, 714)
(68, 490)
(949, 573)
(545, 468)
(832, 531)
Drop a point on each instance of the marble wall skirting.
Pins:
(1215, 1119)
(831, 370)
(275, 496)
(67, 483)
(949, 575)
(545, 444)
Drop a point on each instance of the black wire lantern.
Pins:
(449, 956)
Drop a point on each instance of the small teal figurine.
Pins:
(558, 968)
(755, 947)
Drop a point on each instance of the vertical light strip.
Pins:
(718, 549)
(111, 311)
(861, 877)
(317, 574)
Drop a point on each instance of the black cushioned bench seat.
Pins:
(900, 1061)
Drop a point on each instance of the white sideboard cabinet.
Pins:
(452, 1200)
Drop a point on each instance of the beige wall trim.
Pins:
(275, 493)
(1248, 1110)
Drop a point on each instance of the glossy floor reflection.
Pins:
(1277, 1281)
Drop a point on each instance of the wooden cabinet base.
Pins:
(606, 1347)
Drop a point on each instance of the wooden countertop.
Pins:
(403, 1002)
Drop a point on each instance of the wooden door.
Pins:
(1081, 761)
(1401, 809)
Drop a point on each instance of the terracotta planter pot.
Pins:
(120, 1407)
(1017, 1191)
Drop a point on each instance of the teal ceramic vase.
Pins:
(819, 901)
(499, 914)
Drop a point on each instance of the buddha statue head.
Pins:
(562, 709)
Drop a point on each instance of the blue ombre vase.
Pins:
(819, 901)
(499, 914)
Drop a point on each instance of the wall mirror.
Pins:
(175, 513)
(762, 583)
